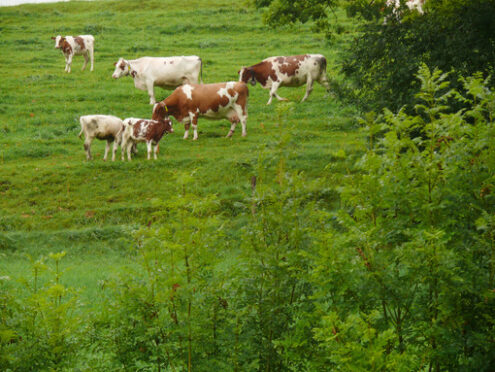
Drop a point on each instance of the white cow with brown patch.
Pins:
(79, 45)
(211, 101)
(165, 72)
(293, 71)
(143, 130)
(103, 127)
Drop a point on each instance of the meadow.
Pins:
(52, 199)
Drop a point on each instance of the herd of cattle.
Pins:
(191, 98)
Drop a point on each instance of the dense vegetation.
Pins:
(319, 242)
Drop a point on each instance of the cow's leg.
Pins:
(155, 150)
(114, 150)
(128, 148)
(241, 114)
(151, 92)
(86, 59)
(309, 88)
(107, 148)
(234, 119)
(194, 121)
(273, 93)
(66, 62)
(148, 146)
(123, 146)
(92, 57)
(186, 129)
(69, 62)
(87, 148)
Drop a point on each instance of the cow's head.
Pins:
(168, 125)
(160, 112)
(246, 74)
(122, 68)
(59, 40)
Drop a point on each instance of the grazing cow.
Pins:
(103, 127)
(294, 71)
(165, 72)
(212, 101)
(142, 130)
(70, 46)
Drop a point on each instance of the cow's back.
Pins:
(215, 99)
(168, 71)
(100, 122)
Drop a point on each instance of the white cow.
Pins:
(79, 45)
(144, 130)
(165, 72)
(411, 4)
(102, 127)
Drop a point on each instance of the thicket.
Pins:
(399, 277)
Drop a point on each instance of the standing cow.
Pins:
(143, 130)
(79, 45)
(104, 127)
(165, 72)
(293, 71)
(211, 101)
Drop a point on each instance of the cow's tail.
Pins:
(323, 65)
(200, 71)
(82, 127)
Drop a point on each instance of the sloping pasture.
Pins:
(52, 199)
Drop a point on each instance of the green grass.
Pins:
(51, 199)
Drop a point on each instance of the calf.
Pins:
(294, 71)
(142, 130)
(211, 101)
(70, 46)
(165, 72)
(103, 127)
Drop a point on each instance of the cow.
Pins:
(103, 127)
(293, 71)
(165, 72)
(70, 46)
(395, 5)
(211, 101)
(143, 130)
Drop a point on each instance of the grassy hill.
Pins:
(53, 199)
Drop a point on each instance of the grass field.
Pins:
(52, 199)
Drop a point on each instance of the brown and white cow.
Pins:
(165, 72)
(102, 127)
(211, 101)
(79, 45)
(293, 71)
(143, 130)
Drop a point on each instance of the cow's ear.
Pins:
(115, 64)
(53, 37)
